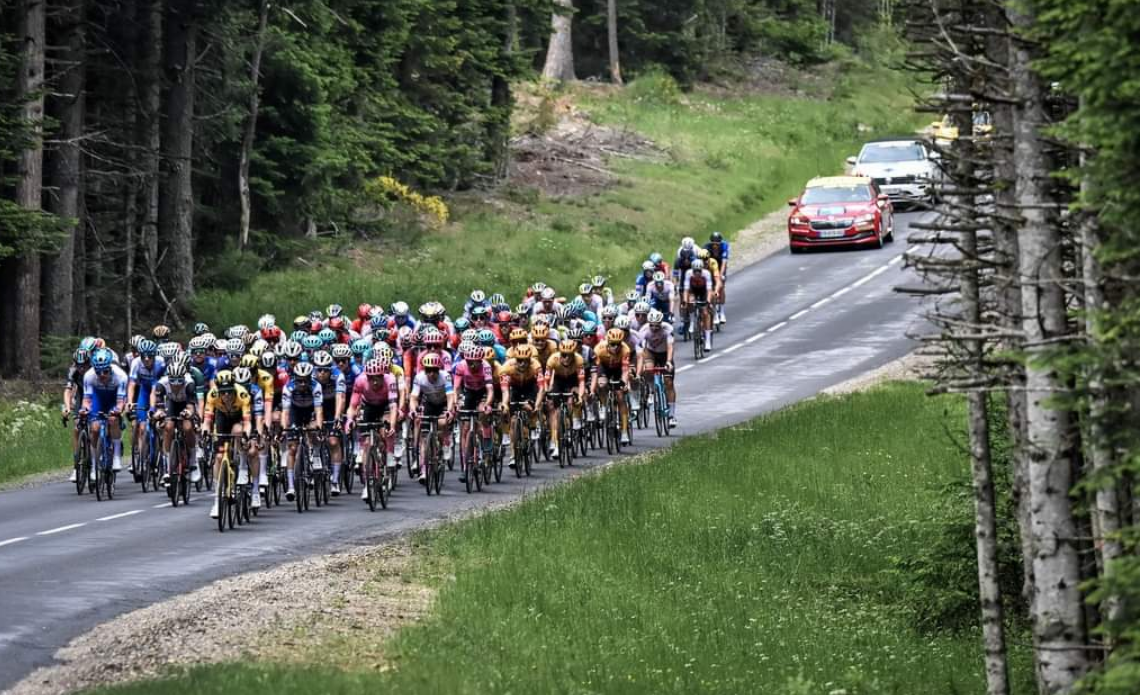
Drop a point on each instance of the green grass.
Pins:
(34, 440)
(754, 560)
(732, 160)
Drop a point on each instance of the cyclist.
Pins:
(176, 394)
(713, 267)
(645, 277)
(600, 288)
(246, 377)
(474, 383)
(566, 375)
(613, 363)
(433, 396)
(146, 369)
(657, 353)
(697, 287)
(333, 389)
(544, 346)
(298, 408)
(374, 400)
(229, 410)
(590, 298)
(522, 385)
(73, 397)
(105, 393)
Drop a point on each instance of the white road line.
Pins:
(60, 529)
(710, 358)
(777, 327)
(798, 314)
(896, 259)
(734, 348)
(10, 541)
(756, 337)
(161, 506)
(820, 303)
(120, 516)
(686, 368)
(839, 293)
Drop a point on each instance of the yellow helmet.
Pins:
(249, 361)
(541, 331)
(702, 254)
(518, 335)
(523, 353)
(568, 347)
(614, 336)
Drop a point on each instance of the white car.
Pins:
(904, 169)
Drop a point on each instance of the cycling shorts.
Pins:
(301, 415)
(659, 360)
(102, 402)
(224, 422)
(433, 409)
(471, 399)
(564, 384)
(374, 412)
(525, 392)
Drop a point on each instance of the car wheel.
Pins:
(890, 237)
(878, 239)
(795, 249)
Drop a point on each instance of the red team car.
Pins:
(839, 211)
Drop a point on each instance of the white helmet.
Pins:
(648, 265)
(622, 322)
(687, 243)
(698, 264)
(656, 317)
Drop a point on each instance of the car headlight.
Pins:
(800, 219)
(865, 219)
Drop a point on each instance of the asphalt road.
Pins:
(796, 325)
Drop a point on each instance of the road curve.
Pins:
(797, 324)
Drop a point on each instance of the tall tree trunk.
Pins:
(1058, 619)
(560, 54)
(612, 30)
(149, 134)
(65, 169)
(29, 183)
(251, 121)
(176, 197)
(499, 122)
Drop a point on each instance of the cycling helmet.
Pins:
(610, 312)
(703, 254)
(433, 338)
(81, 356)
(243, 375)
(505, 316)
(632, 296)
(168, 350)
(176, 370)
(298, 336)
(698, 264)
(201, 328)
(198, 343)
(249, 361)
(327, 336)
(541, 331)
(88, 344)
(486, 337)
(568, 347)
(655, 258)
(716, 237)
(210, 338)
(585, 288)
(375, 367)
(614, 336)
(316, 315)
(400, 309)
(517, 335)
(336, 323)
(622, 322)
(268, 360)
(431, 361)
(590, 327)
(322, 360)
(161, 332)
(147, 348)
(538, 287)
(498, 299)
(259, 346)
(311, 342)
(377, 322)
(360, 346)
(340, 351)
(462, 324)
(291, 350)
(470, 335)
(301, 323)
(563, 314)
(385, 350)
(521, 310)
(548, 294)
(687, 243)
(656, 317)
(641, 308)
(102, 359)
(100, 343)
(266, 322)
(659, 277)
(523, 352)
(574, 333)
(235, 346)
(599, 282)
(334, 310)
(224, 381)
(472, 352)
(135, 340)
(648, 265)
(478, 296)
(302, 370)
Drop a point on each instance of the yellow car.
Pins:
(944, 130)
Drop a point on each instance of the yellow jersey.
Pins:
(242, 404)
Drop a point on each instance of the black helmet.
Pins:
(716, 237)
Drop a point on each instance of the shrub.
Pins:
(656, 86)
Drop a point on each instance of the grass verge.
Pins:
(756, 559)
(733, 158)
(34, 441)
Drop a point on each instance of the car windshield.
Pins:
(836, 194)
(892, 153)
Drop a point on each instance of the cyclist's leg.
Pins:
(115, 431)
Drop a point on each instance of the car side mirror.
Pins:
(851, 161)
(792, 202)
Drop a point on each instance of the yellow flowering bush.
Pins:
(387, 188)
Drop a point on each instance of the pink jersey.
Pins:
(468, 379)
(362, 391)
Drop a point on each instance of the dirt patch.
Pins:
(336, 609)
(561, 151)
(912, 367)
(770, 76)
(764, 237)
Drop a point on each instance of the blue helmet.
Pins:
(82, 356)
(102, 359)
(361, 346)
(148, 348)
(327, 335)
(87, 344)
(298, 336)
(655, 258)
(590, 326)
(486, 337)
(462, 324)
(311, 342)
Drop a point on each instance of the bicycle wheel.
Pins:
(173, 472)
(467, 461)
(347, 471)
(223, 503)
(478, 463)
(83, 465)
(517, 445)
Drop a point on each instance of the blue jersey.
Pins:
(105, 393)
(335, 385)
(718, 251)
(145, 377)
(208, 367)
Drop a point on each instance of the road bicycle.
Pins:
(235, 500)
(178, 463)
(378, 479)
(640, 414)
(565, 417)
(348, 463)
(658, 400)
(83, 462)
(431, 454)
(522, 448)
(302, 466)
(103, 461)
(471, 454)
(144, 469)
(702, 319)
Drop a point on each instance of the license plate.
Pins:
(832, 233)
